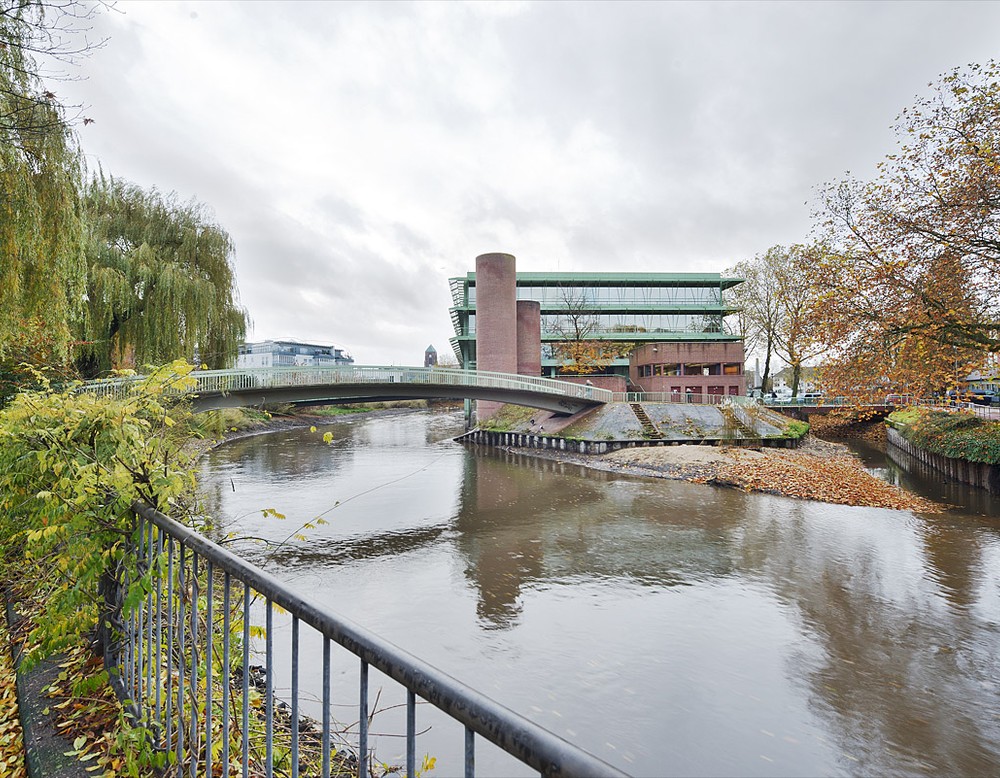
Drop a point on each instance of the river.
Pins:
(669, 628)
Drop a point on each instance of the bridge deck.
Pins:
(213, 389)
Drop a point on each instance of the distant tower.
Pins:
(430, 357)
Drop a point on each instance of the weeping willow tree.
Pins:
(42, 267)
(160, 281)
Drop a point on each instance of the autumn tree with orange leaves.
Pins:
(906, 278)
(775, 304)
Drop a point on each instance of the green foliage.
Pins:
(956, 434)
(42, 272)
(160, 281)
(507, 418)
(71, 465)
(338, 410)
(217, 423)
(128, 277)
(796, 429)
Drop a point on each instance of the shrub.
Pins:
(956, 434)
(71, 465)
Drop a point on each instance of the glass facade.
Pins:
(621, 325)
(568, 296)
(634, 307)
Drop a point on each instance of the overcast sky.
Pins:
(360, 154)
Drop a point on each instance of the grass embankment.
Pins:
(956, 434)
(817, 470)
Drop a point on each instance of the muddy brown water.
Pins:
(669, 628)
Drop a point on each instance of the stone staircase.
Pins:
(649, 429)
(740, 422)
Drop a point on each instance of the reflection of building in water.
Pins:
(520, 528)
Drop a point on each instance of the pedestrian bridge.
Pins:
(249, 387)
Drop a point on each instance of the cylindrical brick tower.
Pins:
(529, 337)
(496, 319)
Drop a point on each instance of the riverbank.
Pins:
(817, 470)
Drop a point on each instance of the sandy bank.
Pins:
(818, 470)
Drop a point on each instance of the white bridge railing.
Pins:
(247, 379)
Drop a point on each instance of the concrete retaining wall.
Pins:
(525, 440)
(966, 472)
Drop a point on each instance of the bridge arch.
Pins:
(249, 387)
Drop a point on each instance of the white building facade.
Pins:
(291, 353)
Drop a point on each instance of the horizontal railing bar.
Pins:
(518, 736)
(280, 377)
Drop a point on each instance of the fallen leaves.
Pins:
(839, 479)
(819, 471)
(11, 737)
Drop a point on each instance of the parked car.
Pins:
(812, 398)
(983, 397)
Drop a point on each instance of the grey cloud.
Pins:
(724, 118)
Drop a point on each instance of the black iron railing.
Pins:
(181, 656)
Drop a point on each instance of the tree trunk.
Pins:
(765, 376)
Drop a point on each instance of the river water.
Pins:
(669, 628)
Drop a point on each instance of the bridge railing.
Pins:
(691, 398)
(897, 401)
(378, 375)
(179, 658)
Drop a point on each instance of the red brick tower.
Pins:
(529, 337)
(496, 320)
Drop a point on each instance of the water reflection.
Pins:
(525, 521)
(898, 467)
(672, 628)
(899, 663)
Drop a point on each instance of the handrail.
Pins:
(686, 398)
(279, 377)
(518, 736)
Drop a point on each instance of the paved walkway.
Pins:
(42, 748)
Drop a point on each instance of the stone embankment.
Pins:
(605, 439)
(979, 474)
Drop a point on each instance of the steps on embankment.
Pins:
(979, 474)
(649, 429)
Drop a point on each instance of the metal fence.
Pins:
(983, 411)
(177, 642)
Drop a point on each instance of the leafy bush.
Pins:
(956, 434)
(796, 429)
(71, 465)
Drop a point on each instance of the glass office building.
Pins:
(291, 353)
(631, 308)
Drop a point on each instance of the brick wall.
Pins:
(496, 319)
